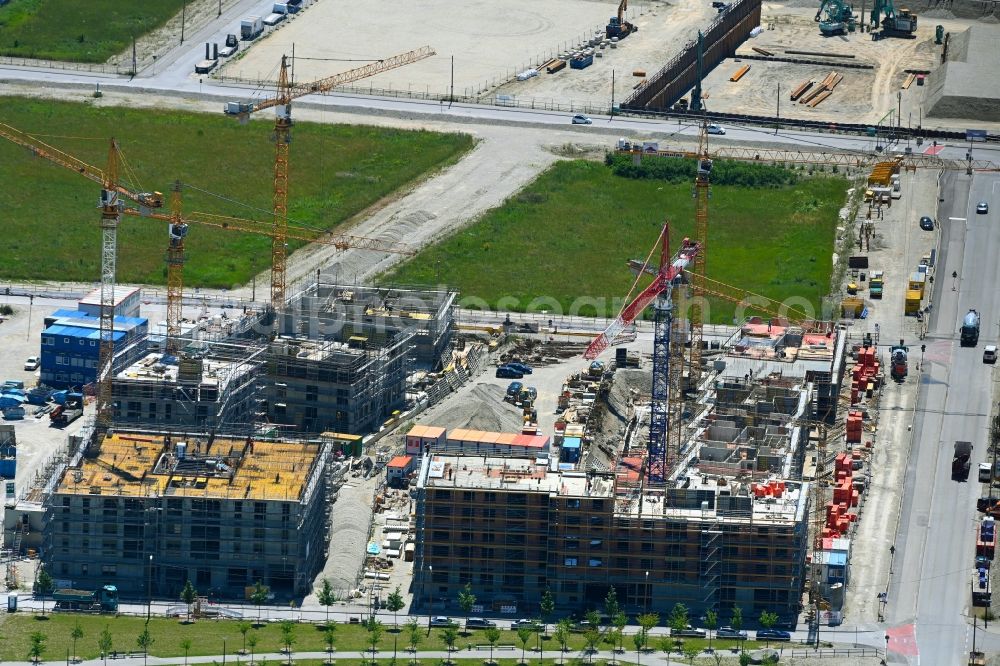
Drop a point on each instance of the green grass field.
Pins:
(51, 223)
(206, 637)
(76, 31)
(570, 233)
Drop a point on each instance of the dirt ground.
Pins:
(663, 28)
(488, 41)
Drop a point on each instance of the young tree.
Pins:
(745, 659)
(252, 642)
(186, 646)
(639, 639)
(326, 597)
(524, 635)
(620, 620)
(736, 621)
(591, 637)
(711, 623)
(647, 621)
(678, 619)
(188, 596)
(144, 641)
(394, 602)
(449, 635)
(768, 620)
(329, 637)
(37, 646)
(548, 606)
(44, 586)
(562, 636)
(691, 652)
(413, 627)
(104, 643)
(288, 637)
(76, 635)
(375, 630)
(244, 627)
(258, 596)
(611, 606)
(466, 599)
(593, 619)
(492, 635)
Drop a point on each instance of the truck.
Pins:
(898, 361)
(960, 462)
(205, 66)
(237, 108)
(104, 600)
(981, 588)
(876, 284)
(970, 329)
(251, 28)
(231, 47)
(68, 412)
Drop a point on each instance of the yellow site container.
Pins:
(912, 301)
(851, 307)
(917, 283)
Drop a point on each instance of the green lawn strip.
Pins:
(51, 223)
(70, 30)
(570, 233)
(207, 636)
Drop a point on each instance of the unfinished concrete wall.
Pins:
(724, 35)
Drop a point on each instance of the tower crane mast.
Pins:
(286, 91)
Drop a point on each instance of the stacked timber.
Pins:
(822, 91)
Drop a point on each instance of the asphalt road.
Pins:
(935, 547)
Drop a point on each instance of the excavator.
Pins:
(618, 26)
(893, 24)
(835, 17)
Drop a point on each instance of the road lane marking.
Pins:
(958, 219)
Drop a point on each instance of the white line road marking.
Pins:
(958, 219)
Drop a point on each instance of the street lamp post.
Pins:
(649, 593)
(223, 651)
(149, 589)
(430, 598)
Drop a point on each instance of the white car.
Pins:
(31, 363)
(581, 119)
(990, 354)
(716, 129)
(273, 19)
(982, 208)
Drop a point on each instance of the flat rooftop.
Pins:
(508, 473)
(763, 348)
(157, 367)
(144, 464)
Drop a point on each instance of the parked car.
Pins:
(273, 19)
(690, 632)
(989, 354)
(507, 372)
(31, 363)
(926, 223)
(716, 129)
(479, 623)
(984, 503)
(773, 635)
(527, 624)
(982, 207)
(580, 119)
(514, 388)
(729, 632)
(442, 621)
(520, 367)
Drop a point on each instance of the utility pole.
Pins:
(451, 90)
(777, 112)
(183, 18)
(220, 9)
(612, 93)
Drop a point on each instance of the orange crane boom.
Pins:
(282, 103)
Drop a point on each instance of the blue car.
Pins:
(507, 372)
(773, 635)
(520, 367)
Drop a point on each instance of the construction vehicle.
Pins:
(960, 461)
(282, 137)
(231, 47)
(104, 600)
(981, 592)
(67, 412)
(251, 28)
(835, 17)
(977, 658)
(618, 26)
(876, 284)
(970, 329)
(897, 359)
(892, 24)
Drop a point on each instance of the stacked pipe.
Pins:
(823, 90)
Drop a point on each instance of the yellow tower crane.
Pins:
(112, 206)
(282, 103)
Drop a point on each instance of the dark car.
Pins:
(773, 635)
(479, 623)
(729, 632)
(507, 372)
(520, 367)
(984, 503)
(926, 223)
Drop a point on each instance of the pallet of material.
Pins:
(825, 86)
(761, 51)
(801, 89)
(819, 98)
(740, 73)
(555, 66)
(910, 78)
